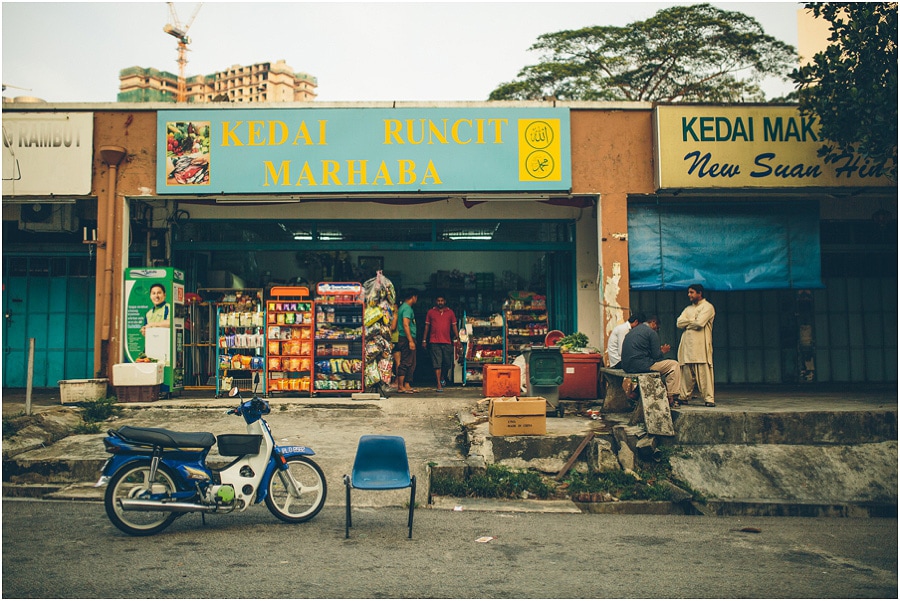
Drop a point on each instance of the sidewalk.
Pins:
(757, 398)
(430, 423)
(330, 425)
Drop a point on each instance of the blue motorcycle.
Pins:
(156, 475)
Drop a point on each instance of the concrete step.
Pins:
(741, 462)
(722, 426)
(803, 474)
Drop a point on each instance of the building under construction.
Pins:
(261, 82)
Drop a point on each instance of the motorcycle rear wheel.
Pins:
(313, 490)
(132, 482)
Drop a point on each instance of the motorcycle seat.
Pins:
(166, 438)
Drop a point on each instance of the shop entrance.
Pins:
(474, 265)
(844, 331)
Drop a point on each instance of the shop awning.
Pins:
(723, 245)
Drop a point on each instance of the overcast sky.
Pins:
(416, 51)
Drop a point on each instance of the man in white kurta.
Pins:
(695, 350)
(614, 346)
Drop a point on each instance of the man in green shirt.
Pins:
(406, 342)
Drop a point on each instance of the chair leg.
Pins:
(347, 519)
(412, 503)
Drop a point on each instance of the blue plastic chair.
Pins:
(381, 464)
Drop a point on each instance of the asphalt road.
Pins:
(64, 550)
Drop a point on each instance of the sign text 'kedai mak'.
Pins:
(765, 147)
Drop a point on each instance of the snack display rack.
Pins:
(484, 346)
(525, 323)
(289, 340)
(240, 353)
(339, 350)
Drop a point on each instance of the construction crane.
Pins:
(178, 31)
(15, 87)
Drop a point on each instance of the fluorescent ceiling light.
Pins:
(257, 199)
(468, 237)
(39, 201)
(487, 197)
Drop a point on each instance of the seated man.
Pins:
(642, 353)
(614, 346)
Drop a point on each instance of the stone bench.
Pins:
(653, 407)
(615, 400)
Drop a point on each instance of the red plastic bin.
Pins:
(581, 376)
(501, 381)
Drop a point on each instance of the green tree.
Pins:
(691, 53)
(852, 85)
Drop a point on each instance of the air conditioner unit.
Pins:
(47, 217)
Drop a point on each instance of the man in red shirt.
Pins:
(439, 339)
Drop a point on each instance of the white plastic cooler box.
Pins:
(138, 374)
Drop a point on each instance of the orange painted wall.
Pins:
(612, 155)
(135, 131)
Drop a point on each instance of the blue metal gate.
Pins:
(50, 299)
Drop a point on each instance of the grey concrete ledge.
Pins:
(810, 510)
(785, 428)
(504, 505)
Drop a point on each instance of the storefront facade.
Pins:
(468, 201)
(798, 252)
(48, 277)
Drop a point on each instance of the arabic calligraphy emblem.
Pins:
(539, 134)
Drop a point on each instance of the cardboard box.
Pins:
(517, 416)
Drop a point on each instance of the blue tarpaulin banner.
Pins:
(733, 246)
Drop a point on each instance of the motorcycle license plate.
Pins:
(296, 449)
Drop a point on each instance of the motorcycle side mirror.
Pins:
(234, 391)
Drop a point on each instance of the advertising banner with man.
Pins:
(153, 330)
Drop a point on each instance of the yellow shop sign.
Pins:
(750, 147)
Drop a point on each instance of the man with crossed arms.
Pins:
(695, 349)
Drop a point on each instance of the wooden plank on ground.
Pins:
(574, 457)
(655, 404)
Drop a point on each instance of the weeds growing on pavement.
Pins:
(496, 482)
(94, 413)
(87, 428)
(619, 484)
(11, 424)
(99, 410)
(650, 481)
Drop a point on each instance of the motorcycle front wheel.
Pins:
(309, 481)
(133, 482)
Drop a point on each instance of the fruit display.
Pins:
(187, 152)
(143, 358)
